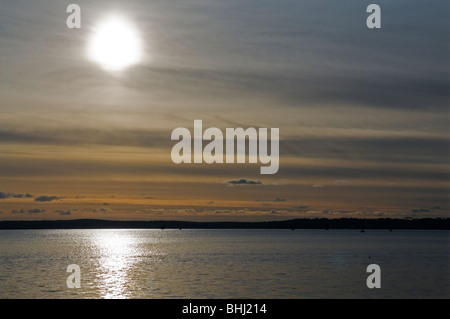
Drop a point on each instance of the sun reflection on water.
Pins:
(117, 253)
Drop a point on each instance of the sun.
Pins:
(115, 45)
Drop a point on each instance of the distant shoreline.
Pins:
(317, 223)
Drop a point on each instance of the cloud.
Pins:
(420, 210)
(278, 212)
(45, 198)
(36, 211)
(341, 181)
(22, 195)
(101, 210)
(372, 147)
(64, 212)
(277, 199)
(244, 181)
(223, 211)
(13, 195)
(82, 136)
(318, 186)
(298, 89)
(300, 207)
(283, 181)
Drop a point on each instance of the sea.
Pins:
(224, 263)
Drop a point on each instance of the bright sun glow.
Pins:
(115, 45)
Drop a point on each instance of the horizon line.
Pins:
(437, 223)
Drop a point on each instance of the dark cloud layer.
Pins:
(13, 195)
(64, 212)
(411, 149)
(36, 211)
(420, 210)
(381, 91)
(45, 198)
(244, 181)
(83, 136)
(29, 211)
(18, 211)
(389, 148)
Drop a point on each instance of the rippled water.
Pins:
(224, 263)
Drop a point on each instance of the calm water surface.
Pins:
(224, 263)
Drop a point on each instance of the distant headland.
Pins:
(304, 223)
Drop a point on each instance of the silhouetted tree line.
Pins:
(317, 223)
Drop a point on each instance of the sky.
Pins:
(362, 113)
